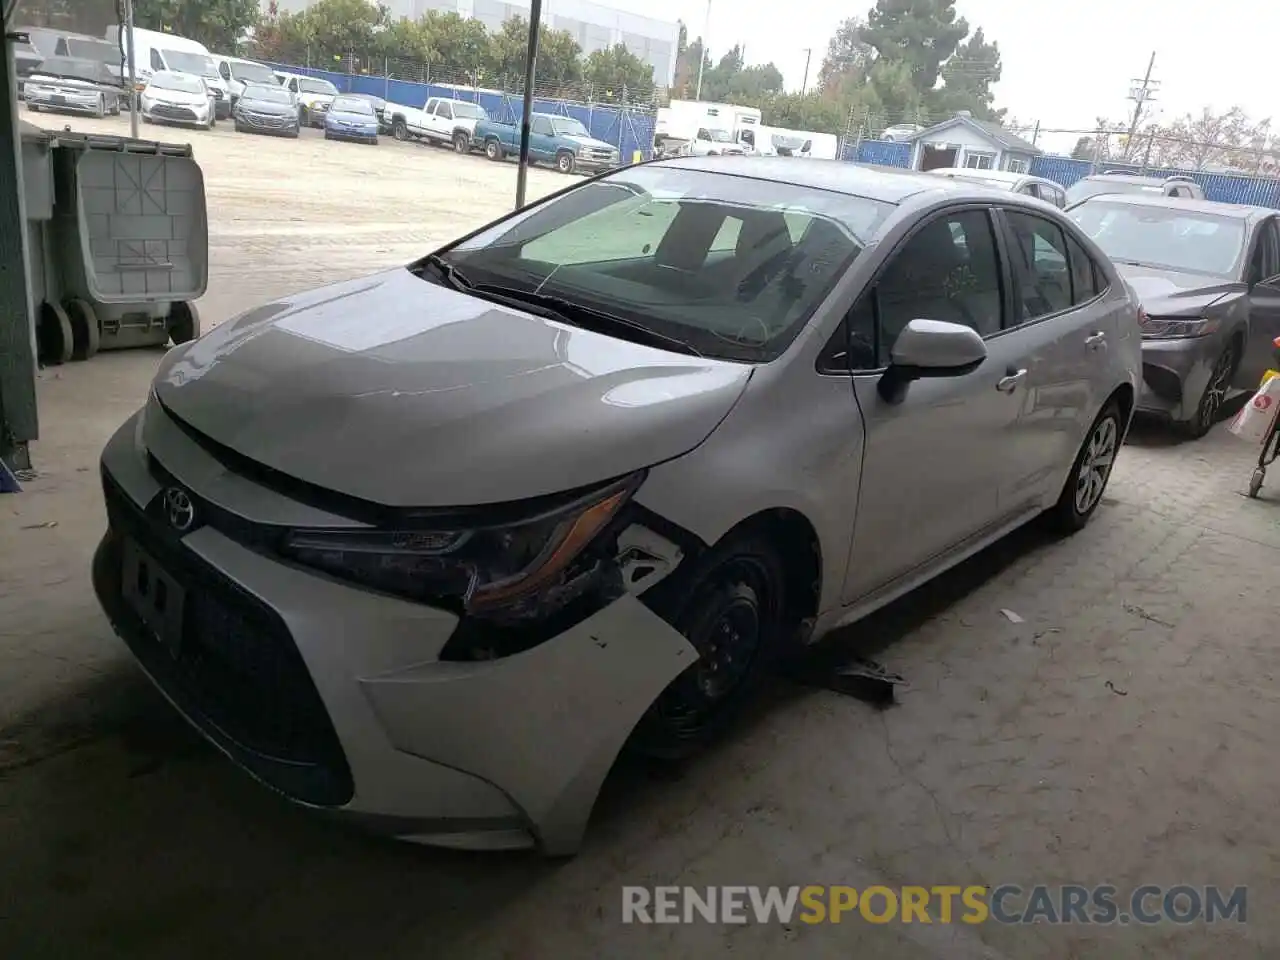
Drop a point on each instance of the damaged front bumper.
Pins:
(336, 696)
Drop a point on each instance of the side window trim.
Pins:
(994, 223)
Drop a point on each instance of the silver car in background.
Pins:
(72, 85)
(1208, 275)
(1023, 183)
(432, 546)
(1112, 182)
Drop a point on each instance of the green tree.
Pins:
(616, 71)
(849, 57)
(559, 56)
(922, 34)
(218, 24)
(459, 44)
(967, 78)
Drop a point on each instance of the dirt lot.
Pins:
(1123, 733)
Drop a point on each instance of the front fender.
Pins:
(543, 726)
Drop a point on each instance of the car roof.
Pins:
(1236, 211)
(1137, 178)
(886, 184)
(1003, 176)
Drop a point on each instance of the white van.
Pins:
(154, 51)
(236, 72)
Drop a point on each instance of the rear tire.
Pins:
(184, 322)
(732, 608)
(55, 340)
(85, 331)
(1090, 472)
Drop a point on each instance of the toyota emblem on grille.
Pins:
(179, 509)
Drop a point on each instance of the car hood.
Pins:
(1171, 292)
(268, 107)
(587, 141)
(398, 391)
(176, 96)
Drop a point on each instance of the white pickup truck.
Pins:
(439, 121)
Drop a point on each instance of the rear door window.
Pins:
(1084, 273)
(1038, 253)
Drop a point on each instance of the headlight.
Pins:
(487, 569)
(1178, 328)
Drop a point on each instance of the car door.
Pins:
(934, 460)
(542, 139)
(1055, 353)
(1264, 304)
(441, 121)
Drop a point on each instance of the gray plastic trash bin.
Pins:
(126, 249)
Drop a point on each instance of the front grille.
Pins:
(236, 673)
(602, 155)
(266, 119)
(169, 112)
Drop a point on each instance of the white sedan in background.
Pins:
(184, 98)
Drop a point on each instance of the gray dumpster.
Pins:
(119, 241)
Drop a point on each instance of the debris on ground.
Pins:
(1116, 690)
(40, 526)
(860, 678)
(1012, 617)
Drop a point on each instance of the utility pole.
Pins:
(134, 106)
(702, 50)
(530, 72)
(1140, 93)
(808, 56)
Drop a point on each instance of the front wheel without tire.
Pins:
(732, 609)
(1083, 490)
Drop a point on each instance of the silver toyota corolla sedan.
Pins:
(1209, 278)
(431, 547)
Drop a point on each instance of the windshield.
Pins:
(469, 111)
(720, 136)
(252, 73)
(260, 91)
(70, 69)
(99, 51)
(1164, 237)
(569, 127)
(732, 266)
(182, 83)
(352, 105)
(310, 85)
(196, 63)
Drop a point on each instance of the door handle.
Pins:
(1095, 341)
(1010, 383)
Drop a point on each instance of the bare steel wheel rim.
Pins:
(1215, 393)
(1095, 467)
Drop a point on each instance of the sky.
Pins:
(1063, 68)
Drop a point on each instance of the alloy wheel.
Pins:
(1215, 392)
(1095, 466)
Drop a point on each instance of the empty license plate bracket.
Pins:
(153, 595)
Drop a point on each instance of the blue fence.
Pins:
(1222, 187)
(627, 128)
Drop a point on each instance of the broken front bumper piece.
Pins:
(337, 697)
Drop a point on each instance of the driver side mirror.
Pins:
(930, 348)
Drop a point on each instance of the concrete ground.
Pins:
(1122, 733)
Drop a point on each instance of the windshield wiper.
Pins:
(577, 315)
(448, 272)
